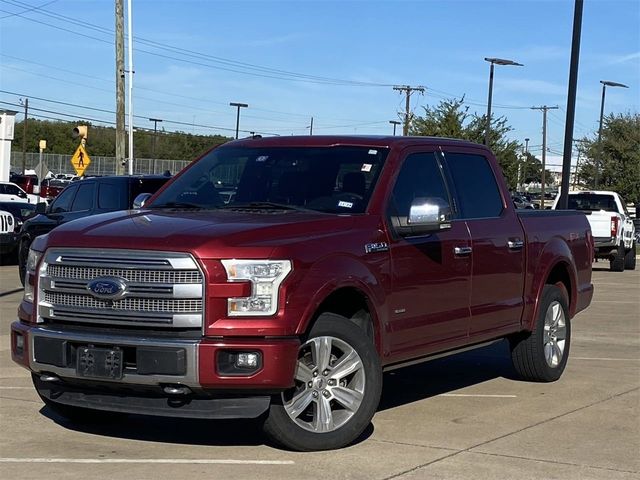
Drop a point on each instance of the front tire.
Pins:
(541, 356)
(337, 389)
(630, 258)
(23, 253)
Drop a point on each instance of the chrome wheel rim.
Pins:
(330, 382)
(555, 334)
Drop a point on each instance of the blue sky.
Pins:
(64, 51)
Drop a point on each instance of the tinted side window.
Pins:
(62, 203)
(146, 185)
(109, 197)
(12, 190)
(419, 177)
(475, 185)
(84, 198)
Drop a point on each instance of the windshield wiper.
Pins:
(264, 206)
(178, 205)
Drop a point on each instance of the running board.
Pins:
(435, 356)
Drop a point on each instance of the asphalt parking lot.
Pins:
(460, 417)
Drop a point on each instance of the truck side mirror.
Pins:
(429, 210)
(41, 207)
(426, 215)
(140, 200)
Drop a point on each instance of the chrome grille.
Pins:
(142, 276)
(137, 304)
(162, 288)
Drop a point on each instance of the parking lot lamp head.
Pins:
(494, 61)
(605, 84)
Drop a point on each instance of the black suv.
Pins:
(83, 198)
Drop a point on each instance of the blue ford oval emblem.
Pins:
(108, 288)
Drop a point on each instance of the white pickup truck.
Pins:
(611, 225)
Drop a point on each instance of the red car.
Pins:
(335, 259)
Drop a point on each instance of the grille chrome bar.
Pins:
(162, 288)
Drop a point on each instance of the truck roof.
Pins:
(353, 140)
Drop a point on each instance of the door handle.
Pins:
(462, 251)
(515, 244)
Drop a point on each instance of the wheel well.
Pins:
(352, 304)
(560, 276)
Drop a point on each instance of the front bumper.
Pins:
(8, 241)
(52, 351)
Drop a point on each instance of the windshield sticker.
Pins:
(366, 167)
(262, 158)
(344, 204)
(373, 152)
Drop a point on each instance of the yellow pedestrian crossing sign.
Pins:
(80, 160)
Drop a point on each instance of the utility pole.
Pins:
(120, 113)
(131, 72)
(311, 127)
(24, 135)
(407, 110)
(544, 109)
(526, 160)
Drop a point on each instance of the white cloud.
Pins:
(624, 58)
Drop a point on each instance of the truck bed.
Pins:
(563, 234)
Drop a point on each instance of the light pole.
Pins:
(494, 61)
(605, 84)
(239, 106)
(395, 123)
(155, 138)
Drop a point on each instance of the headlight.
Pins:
(265, 276)
(30, 271)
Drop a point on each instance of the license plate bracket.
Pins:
(95, 362)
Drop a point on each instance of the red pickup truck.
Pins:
(332, 260)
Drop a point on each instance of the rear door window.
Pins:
(109, 197)
(84, 198)
(475, 184)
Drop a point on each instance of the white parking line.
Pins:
(475, 395)
(148, 460)
(606, 359)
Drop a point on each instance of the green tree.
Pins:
(101, 140)
(451, 118)
(618, 155)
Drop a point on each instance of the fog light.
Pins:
(247, 360)
(19, 343)
(238, 363)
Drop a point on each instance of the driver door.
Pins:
(429, 305)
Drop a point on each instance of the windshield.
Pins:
(593, 202)
(324, 179)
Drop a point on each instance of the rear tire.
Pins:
(630, 258)
(541, 356)
(617, 263)
(337, 389)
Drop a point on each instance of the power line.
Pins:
(247, 68)
(155, 100)
(38, 7)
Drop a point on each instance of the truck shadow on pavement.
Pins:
(401, 387)
(446, 375)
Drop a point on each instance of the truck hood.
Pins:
(206, 233)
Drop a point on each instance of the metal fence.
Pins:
(99, 165)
